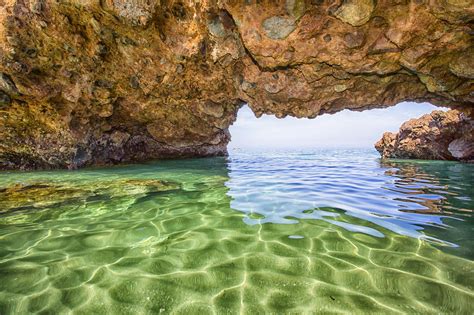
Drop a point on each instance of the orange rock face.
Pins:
(439, 135)
(98, 82)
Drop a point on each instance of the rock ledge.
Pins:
(436, 136)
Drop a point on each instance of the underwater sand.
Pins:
(330, 231)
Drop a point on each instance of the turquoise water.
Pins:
(330, 231)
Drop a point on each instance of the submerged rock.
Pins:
(439, 136)
(41, 195)
(38, 195)
(128, 187)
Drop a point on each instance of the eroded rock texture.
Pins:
(93, 82)
(439, 135)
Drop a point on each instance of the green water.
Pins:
(215, 236)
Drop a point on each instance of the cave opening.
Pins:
(345, 129)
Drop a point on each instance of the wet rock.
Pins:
(355, 12)
(37, 195)
(439, 135)
(81, 157)
(164, 132)
(278, 27)
(40, 195)
(127, 187)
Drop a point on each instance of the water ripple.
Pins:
(302, 232)
(405, 197)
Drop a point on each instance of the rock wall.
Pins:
(438, 136)
(87, 82)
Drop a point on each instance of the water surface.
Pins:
(311, 231)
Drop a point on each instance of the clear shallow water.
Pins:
(323, 231)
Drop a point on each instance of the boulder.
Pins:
(439, 136)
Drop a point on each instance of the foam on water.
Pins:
(323, 231)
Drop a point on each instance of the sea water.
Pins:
(312, 231)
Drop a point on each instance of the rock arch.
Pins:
(97, 82)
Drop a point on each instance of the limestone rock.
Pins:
(216, 28)
(102, 82)
(7, 85)
(463, 65)
(4, 99)
(355, 12)
(353, 40)
(138, 12)
(278, 27)
(462, 149)
(439, 135)
(295, 8)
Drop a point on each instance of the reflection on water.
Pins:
(326, 231)
(438, 189)
(406, 197)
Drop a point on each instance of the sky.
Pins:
(345, 129)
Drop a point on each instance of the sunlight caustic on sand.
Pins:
(300, 232)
